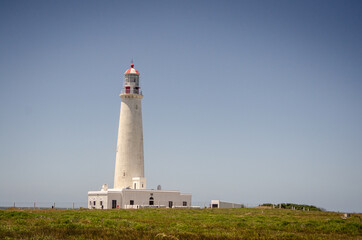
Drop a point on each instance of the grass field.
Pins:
(244, 223)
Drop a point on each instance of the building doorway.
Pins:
(114, 203)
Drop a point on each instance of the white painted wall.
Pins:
(96, 201)
(160, 198)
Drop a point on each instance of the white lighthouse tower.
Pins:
(129, 181)
(129, 169)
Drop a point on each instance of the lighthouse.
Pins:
(129, 189)
(129, 169)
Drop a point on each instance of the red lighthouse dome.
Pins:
(132, 70)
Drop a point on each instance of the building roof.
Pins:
(119, 190)
(132, 70)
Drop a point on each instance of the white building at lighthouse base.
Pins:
(137, 198)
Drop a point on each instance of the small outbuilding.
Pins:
(221, 204)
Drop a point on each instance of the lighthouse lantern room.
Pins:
(132, 81)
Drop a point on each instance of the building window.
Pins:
(131, 202)
(101, 203)
(114, 203)
(170, 203)
(135, 186)
(124, 173)
(151, 201)
(94, 203)
(184, 204)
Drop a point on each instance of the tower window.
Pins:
(131, 202)
(184, 204)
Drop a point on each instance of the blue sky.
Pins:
(244, 101)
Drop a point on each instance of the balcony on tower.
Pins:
(129, 90)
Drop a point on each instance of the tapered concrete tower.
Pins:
(129, 170)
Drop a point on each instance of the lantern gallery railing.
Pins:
(135, 91)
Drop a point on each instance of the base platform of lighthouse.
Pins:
(137, 198)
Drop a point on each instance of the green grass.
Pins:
(178, 224)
